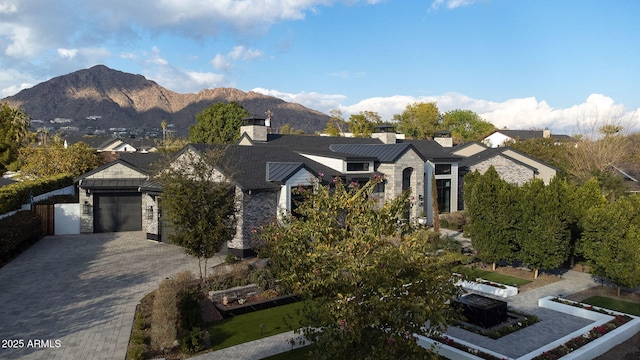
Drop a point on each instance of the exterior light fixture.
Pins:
(86, 208)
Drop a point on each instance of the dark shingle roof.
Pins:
(433, 151)
(6, 181)
(146, 162)
(248, 164)
(486, 154)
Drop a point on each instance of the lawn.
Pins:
(247, 327)
(473, 273)
(614, 304)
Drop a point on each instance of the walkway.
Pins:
(78, 293)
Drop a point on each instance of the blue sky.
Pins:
(561, 64)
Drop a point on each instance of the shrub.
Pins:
(164, 318)
(138, 322)
(12, 196)
(189, 305)
(136, 352)
(230, 259)
(192, 342)
(17, 233)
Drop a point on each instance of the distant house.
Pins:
(119, 145)
(499, 137)
(513, 166)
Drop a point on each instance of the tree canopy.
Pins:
(218, 124)
(371, 289)
(199, 205)
(612, 241)
(466, 125)
(43, 161)
(362, 124)
(419, 120)
(14, 133)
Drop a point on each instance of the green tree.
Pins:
(466, 125)
(336, 125)
(543, 234)
(612, 241)
(199, 205)
(44, 161)
(361, 125)
(493, 210)
(371, 290)
(580, 200)
(288, 129)
(14, 133)
(218, 124)
(419, 120)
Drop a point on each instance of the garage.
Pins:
(117, 212)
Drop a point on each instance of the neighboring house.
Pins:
(110, 197)
(118, 145)
(499, 137)
(6, 181)
(511, 165)
(630, 172)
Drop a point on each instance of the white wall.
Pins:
(67, 219)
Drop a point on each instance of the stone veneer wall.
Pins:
(150, 225)
(508, 170)
(393, 175)
(257, 209)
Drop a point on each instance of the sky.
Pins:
(520, 64)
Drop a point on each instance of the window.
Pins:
(358, 166)
(443, 169)
(444, 195)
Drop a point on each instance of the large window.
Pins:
(444, 195)
(358, 166)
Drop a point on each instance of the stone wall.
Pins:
(510, 171)
(257, 208)
(393, 175)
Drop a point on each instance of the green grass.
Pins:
(246, 327)
(473, 273)
(295, 354)
(614, 304)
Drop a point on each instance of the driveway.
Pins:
(74, 297)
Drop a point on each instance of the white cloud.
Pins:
(67, 53)
(8, 8)
(226, 62)
(313, 100)
(451, 4)
(519, 114)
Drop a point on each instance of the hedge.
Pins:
(12, 196)
(17, 233)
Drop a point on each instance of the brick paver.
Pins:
(76, 295)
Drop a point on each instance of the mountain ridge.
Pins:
(125, 100)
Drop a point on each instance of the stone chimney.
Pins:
(255, 128)
(546, 133)
(386, 134)
(443, 138)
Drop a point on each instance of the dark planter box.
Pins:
(482, 311)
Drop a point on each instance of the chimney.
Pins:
(546, 133)
(255, 128)
(386, 134)
(443, 138)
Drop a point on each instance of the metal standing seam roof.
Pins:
(111, 183)
(280, 172)
(382, 152)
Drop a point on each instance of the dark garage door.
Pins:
(117, 212)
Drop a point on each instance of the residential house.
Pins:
(513, 166)
(500, 137)
(115, 145)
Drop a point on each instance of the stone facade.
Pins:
(394, 172)
(510, 171)
(257, 208)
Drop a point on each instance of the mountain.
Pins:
(104, 98)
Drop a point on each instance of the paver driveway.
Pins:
(74, 297)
